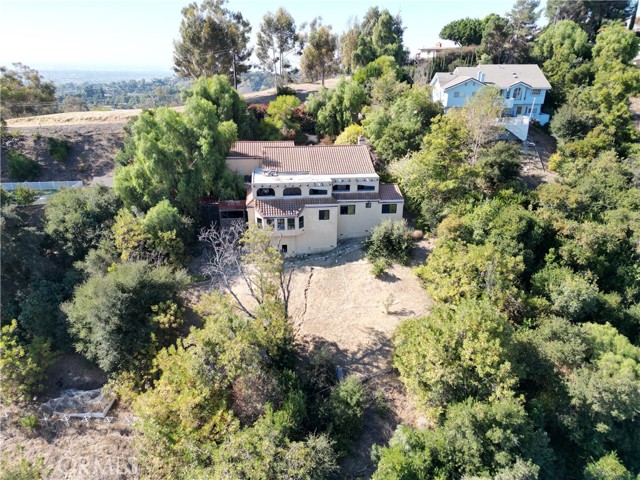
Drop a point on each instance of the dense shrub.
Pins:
(344, 411)
(59, 148)
(284, 90)
(350, 135)
(77, 218)
(19, 196)
(22, 364)
(117, 320)
(22, 168)
(390, 240)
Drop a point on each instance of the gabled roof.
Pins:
(461, 79)
(253, 149)
(503, 76)
(319, 159)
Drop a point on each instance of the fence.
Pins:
(42, 186)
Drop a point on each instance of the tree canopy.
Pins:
(276, 39)
(24, 92)
(180, 156)
(211, 36)
(467, 31)
(319, 56)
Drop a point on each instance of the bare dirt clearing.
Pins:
(335, 300)
(92, 155)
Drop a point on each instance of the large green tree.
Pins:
(24, 92)
(178, 157)
(277, 38)
(465, 32)
(343, 104)
(522, 22)
(562, 50)
(349, 44)
(456, 352)
(495, 45)
(213, 41)
(589, 14)
(476, 440)
(380, 34)
(319, 56)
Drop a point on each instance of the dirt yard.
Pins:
(535, 160)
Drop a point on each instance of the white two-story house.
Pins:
(523, 88)
(315, 196)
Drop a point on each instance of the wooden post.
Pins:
(235, 76)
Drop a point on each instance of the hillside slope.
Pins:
(96, 137)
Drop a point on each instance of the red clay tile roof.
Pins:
(357, 196)
(390, 192)
(287, 208)
(319, 159)
(253, 149)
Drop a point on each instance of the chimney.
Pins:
(438, 44)
(481, 76)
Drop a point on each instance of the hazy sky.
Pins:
(139, 33)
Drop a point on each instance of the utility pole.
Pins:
(235, 77)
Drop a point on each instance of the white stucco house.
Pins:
(315, 196)
(523, 88)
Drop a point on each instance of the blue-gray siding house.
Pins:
(523, 88)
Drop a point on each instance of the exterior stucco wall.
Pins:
(243, 166)
(362, 222)
(305, 187)
(317, 236)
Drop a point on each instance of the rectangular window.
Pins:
(347, 210)
(281, 224)
(317, 191)
(232, 214)
(291, 223)
(366, 188)
(535, 109)
(270, 222)
(259, 220)
(301, 222)
(283, 248)
(367, 205)
(457, 94)
(536, 91)
(390, 208)
(342, 188)
(323, 214)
